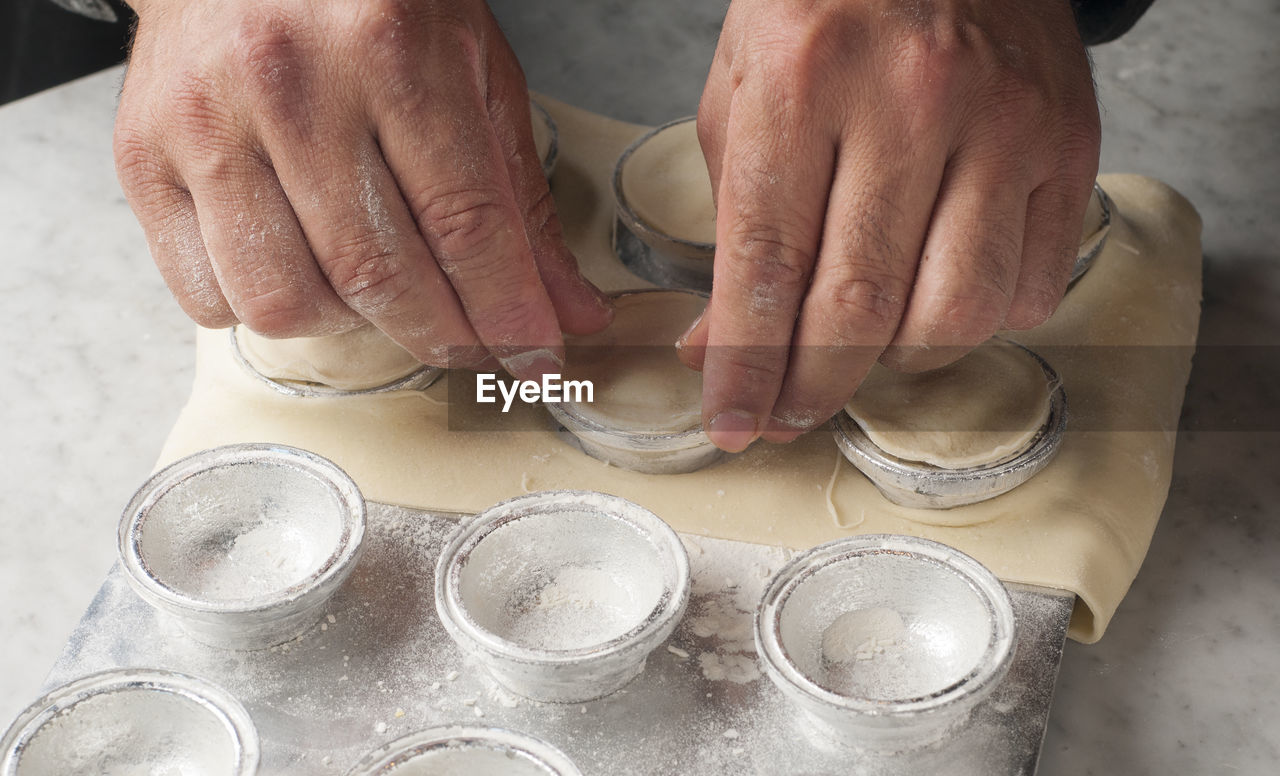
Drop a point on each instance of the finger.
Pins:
(168, 218)
(691, 348)
(368, 245)
(347, 204)
(580, 307)
(876, 219)
(1054, 213)
(258, 252)
(777, 171)
(969, 265)
(450, 166)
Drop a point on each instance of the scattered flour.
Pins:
(862, 634)
(732, 668)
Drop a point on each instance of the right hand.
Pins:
(303, 167)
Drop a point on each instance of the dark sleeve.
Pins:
(1102, 21)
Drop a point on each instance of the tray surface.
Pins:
(380, 665)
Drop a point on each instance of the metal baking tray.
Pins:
(379, 665)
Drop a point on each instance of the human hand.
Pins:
(895, 179)
(303, 167)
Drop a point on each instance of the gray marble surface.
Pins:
(97, 362)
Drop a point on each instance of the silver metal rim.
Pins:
(658, 266)
(569, 417)
(633, 220)
(636, 243)
(339, 564)
(956, 487)
(1085, 260)
(417, 380)
(984, 676)
(553, 151)
(217, 701)
(457, 550)
(385, 758)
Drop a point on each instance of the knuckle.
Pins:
(263, 44)
(466, 225)
(867, 243)
(769, 258)
(138, 162)
(990, 258)
(265, 59)
(757, 369)
(396, 33)
(867, 303)
(388, 32)
(282, 311)
(1016, 96)
(210, 315)
(925, 73)
(541, 216)
(197, 113)
(507, 319)
(366, 270)
(969, 318)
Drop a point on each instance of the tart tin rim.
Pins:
(648, 233)
(384, 760)
(664, 614)
(214, 699)
(339, 563)
(622, 438)
(419, 379)
(862, 452)
(1085, 260)
(988, 672)
(553, 130)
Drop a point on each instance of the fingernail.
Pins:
(683, 342)
(533, 363)
(784, 431)
(733, 430)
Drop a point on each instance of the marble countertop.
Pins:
(97, 361)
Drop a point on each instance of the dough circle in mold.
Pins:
(666, 184)
(357, 360)
(981, 409)
(640, 385)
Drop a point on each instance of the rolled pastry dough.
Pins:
(665, 182)
(640, 384)
(981, 409)
(1122, 342)
(361, 358)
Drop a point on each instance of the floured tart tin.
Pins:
(546, 137)
(1097, 226)
(884, 642)
(665, 229)
(646, 409)
(243, 544)
(358, 362)
(562, 595)
(128, 721)
(461, 750)
(904, 479)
